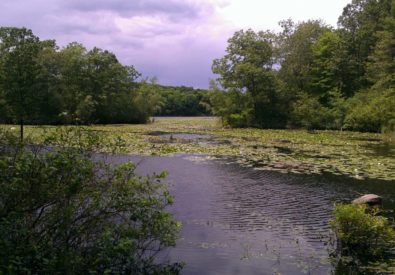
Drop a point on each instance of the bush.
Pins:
(309, 113)
(238, 120)
(63, 213)
(372, 110)
(362, 234)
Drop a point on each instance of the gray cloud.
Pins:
(175, 40)
(169, 39)
(174, 9)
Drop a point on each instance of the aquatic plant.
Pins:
(365, 239)
(358, 155)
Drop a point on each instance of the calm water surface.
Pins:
(243, 221)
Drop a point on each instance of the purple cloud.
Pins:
(175, 40)
(168, 39)
(136, 7)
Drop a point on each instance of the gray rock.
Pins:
(369, 199)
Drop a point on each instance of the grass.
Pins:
(359, 155)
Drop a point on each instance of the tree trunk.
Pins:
(21, 130)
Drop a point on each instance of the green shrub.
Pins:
(238, 120)
(63, 213)
(309, 113)
(363, 234)
(372, 110)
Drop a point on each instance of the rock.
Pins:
(369, 199)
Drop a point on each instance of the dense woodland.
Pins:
(41, 83)
(307, 75)
(312, 75)
(181, 101)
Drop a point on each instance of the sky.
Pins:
(173, 40)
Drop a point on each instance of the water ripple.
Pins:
(243, 221)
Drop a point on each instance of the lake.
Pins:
(239, 220)
(253, 201)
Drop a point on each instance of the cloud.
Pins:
(175, 40)
(174, 9)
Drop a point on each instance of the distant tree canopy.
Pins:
(312, 75)
(182, 101)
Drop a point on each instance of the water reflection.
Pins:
(186, 136)
(381, 149)
(242, 221)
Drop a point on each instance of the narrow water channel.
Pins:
(238, 220)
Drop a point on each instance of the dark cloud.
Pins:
(92, 24)
(168, 39)
(187, 62)
(172, 8)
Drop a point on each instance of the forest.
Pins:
(308, 75)
(41, 83)
(312, 75)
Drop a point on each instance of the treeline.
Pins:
(312, 75)
(41, 83)
(182, 101)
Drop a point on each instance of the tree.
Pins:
(325, 69)
(19, 49)
(372, 110)
(40, 83)
(48, 92)
(146, 99)
(72, 80)
(247, 68)
(297, 53)
(107, 80)
(95, 87)
(233, 106)
(381, 64)
(358, 25)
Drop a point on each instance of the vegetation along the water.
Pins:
(354, 154)
(365, 240)
(307, 75)
(62, 211)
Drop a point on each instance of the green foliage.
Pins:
(307, 75)
(19, 69)
(247, 68)
(181, 101)
(63, 212)
(381, 66)
(297, 53)
(74, 85)
(235, 107)
(372, 110)
(311, 75)
(326, 68)
(359, 23)
(351, 154)
(96, 88)
(362, 234)
(40, 83)
(18, 51)
(308, 112)
(239, 120)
